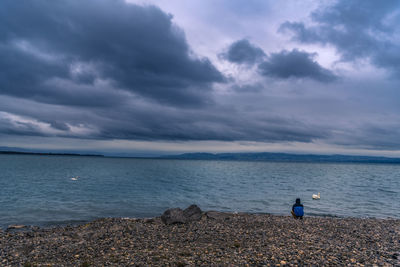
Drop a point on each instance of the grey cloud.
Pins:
(302, 34)
(59, 125)
(243, 52)
(295, 64)
(139, 121)
(9, 127)
(209, 126)
(358, 29)
(376, 135)
(135, 48)
(248, 121)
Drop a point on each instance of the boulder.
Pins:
(192, 213)
(173, 216)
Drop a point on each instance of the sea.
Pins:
(38, 190)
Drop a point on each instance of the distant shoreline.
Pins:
(48, 154)
(253, 157)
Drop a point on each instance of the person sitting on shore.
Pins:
(298, 209)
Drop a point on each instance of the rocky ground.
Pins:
(213, 239)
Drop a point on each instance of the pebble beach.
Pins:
(215, 239)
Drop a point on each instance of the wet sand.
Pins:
(217, 239)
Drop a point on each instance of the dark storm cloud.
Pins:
(295, 64)
(358, 29)
(138, 121)
(243, 52)
(134, 48)
(220, 125)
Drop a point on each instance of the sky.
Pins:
(168, 76)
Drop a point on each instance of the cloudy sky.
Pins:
(171, 76)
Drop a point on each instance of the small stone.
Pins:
(30, 234)
(16, 226)
(216, 215)
(148, 220)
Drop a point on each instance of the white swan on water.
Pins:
(75, 178)
(314, 196)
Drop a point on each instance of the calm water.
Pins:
(38, 189)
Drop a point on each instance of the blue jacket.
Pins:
(298, 209)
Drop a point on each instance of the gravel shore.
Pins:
(217, 239)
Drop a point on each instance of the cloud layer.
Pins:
(285, 73)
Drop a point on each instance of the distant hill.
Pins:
(263, 156)
(283, 157)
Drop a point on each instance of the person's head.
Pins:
(297, 200)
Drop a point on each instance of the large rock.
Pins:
(172, 216)
(192, 213)
(176, 215)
